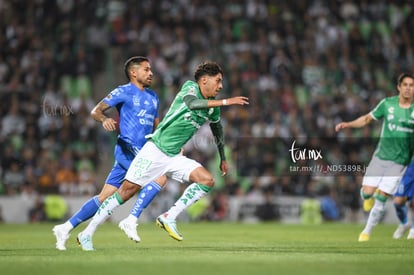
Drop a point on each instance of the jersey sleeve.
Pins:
(115, 97)
(379, 110)
(189, 88)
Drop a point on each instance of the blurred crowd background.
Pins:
(305, 65)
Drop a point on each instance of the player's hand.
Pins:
(237, 100)
(109, 124)
(340, 126)
(224, 167)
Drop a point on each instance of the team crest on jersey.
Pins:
(391, 110)
(192, 90)
(135, 99)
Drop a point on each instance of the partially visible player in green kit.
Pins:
(393, 153)
(194, 105)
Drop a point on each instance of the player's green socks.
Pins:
(363, 195)
(103, 213)
(192, 193)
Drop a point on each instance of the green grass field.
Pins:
(209, 248)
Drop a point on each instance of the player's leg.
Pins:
(375, 215)
(202, 182)
(87, 210)
(125, 192)
(145, 197)
(402, 213)
(411, 232)
(404, 192)
(139, 173)
(368, 189)
(387, 185)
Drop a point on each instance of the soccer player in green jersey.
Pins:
(194, 105)
(394, 149)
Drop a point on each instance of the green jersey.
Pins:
(397, 135)
(180, 123)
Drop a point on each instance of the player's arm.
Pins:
(217, 130)
(156, 122)
(97, 114)
(357, 123)
(195, 103)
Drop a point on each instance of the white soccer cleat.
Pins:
(85, 242)
(401, 229)
(130, 229)
(410, 234)
(61, 237)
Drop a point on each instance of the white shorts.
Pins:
(151, 163)
(383, 174)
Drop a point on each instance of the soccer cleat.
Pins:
(368, 204)
(410, 234)
(363, 237)
(170, 226)
(85, 241)
(61, 237)
(130, 230)
(401, 229)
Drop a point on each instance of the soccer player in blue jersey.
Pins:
(137, 106)
(405, 192)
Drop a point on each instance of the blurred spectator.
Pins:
(86, 178)
(66, 180)
(13, 178)
(329, 207)
(13, 122)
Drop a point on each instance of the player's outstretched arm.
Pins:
(357, 123)
(195, 103)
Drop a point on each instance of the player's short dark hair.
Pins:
(402, 76)
(207, 68)
(135, 60)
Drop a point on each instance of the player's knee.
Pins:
(128, 189)
(208, 180)
(399, 201)
(162, 181)
(202, 176)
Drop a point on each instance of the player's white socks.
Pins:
(131, 219)
(67, 226)
(191, 194)
(103, 213)
(375, 215)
